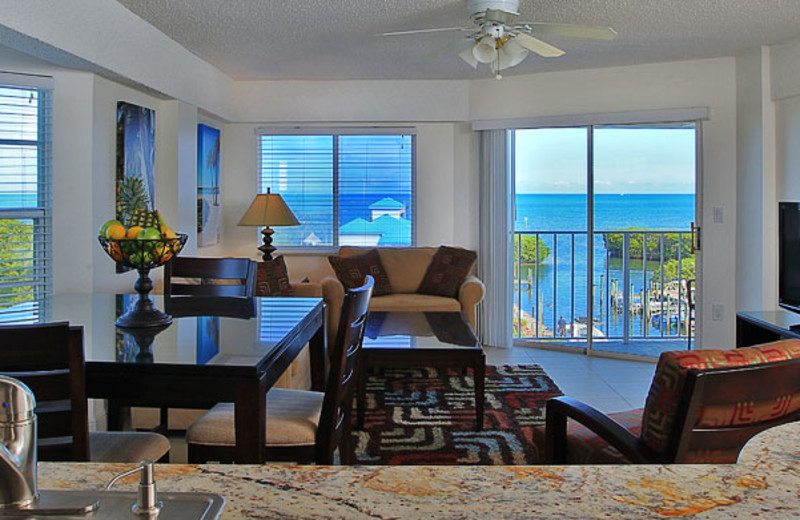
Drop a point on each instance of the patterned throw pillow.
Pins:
(352, 270)
(272, 279)
(448, 268)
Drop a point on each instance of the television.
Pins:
(789, 255)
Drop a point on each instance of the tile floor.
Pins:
(609, 385)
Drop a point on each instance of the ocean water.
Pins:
(561, 280)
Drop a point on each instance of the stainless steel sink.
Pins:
(96, 505)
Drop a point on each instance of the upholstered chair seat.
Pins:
(126, 446)
(586, 447)
(292, 420)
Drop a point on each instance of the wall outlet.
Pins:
(717, 311)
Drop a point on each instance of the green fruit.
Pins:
(108, 224)
(149, 233)
(139, 259)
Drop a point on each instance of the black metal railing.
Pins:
(639, 285)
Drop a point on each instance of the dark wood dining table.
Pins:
(215, 350)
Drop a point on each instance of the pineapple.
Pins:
(142, 217)
(133, 202)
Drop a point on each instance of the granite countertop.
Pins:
(765, 483)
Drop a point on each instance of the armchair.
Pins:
(702, 408)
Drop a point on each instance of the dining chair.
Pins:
(302, 425)
(200, 276)
(49, 359)
(702, 408)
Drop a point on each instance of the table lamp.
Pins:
(268, 209)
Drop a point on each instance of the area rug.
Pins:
(427, 416)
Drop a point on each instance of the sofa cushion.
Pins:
(665, 391)
(352, 270)
(413, 303)
(405, 266)
(272, 279)
(446, 273)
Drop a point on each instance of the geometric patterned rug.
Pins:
(427, 416)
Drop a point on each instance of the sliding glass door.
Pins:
(631, 188)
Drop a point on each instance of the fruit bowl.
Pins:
(143, 255)
(139, 254)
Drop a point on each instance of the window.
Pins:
(348, 187)
(25, 200)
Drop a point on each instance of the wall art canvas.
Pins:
(136, 155)
(209, 204)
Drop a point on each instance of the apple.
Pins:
(108, 224)
(149, 233)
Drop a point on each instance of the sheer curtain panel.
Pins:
(496, 218)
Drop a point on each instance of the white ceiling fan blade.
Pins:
(420, 31)
(538, 46)
(576, 31)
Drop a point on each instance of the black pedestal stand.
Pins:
(143, 313)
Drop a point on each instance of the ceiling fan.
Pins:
(499, 39)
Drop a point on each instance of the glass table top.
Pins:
(205, 330)
(419, 330)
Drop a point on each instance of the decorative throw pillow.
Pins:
(272, 279)
(449, 266)
(352, 270)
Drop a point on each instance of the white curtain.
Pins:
(496, 238)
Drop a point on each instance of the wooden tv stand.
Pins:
(756, 327)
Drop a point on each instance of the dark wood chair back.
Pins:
(49, 359)
(738, 392)
(216, 276)
(335, 420)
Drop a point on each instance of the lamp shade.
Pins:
(268, 209)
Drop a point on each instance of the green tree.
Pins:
(672, 243)
(534, 251)
(16, 237)
(671, 270)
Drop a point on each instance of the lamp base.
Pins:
(267, 248)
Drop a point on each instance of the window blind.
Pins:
(25, 201)
(345, 188)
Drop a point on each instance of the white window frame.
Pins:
(42, 214)
(335, 132)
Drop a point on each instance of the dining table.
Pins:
(217, 349)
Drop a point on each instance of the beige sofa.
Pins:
(405, 268)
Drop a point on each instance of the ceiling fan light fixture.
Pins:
(511, 54)
(467, 56)
(484, 50)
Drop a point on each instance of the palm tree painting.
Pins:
(209, 209)
(136, 146)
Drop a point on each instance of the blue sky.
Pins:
(627, 160)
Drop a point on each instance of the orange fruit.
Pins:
(116, 251)
(116, 232)
(133, 232)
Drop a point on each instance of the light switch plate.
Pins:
(717, 311)
(719, 215)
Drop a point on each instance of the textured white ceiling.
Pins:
(336, 39)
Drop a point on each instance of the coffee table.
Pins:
(421, 339)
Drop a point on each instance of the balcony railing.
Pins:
(641, 286)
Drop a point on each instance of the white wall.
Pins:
(756, 177)
(706, 83)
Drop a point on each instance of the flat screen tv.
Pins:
(789, 255)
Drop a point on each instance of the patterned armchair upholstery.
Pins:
(702, 407)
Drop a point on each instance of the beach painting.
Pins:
(209, 204)
(136, 155)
